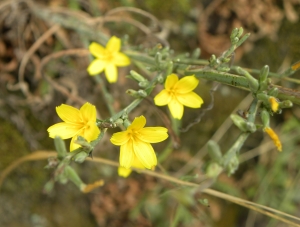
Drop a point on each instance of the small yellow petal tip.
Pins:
(274, 137)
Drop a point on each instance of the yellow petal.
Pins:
(186, 84)
(274, 137)
(162, 98)
(126, 154)
(123, 172)
(96, 67)
(73, 145)
(111, 73)
(145, 153)
(113, 45)
(137, 163)
(88, 112)
(176, 109)
(171, 80)
(69, 114)
(121, 59)
(97, 50)
(119, 138)
(153, 134)
(190, 99)
(91, 131)
(138, 123)
(274, 104)
(64, 130)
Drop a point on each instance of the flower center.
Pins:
(108, 56)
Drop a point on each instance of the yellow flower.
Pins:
(123, 172)
(76, 123)
(274, 137)
(107, 59)
(135, 143)
(179, 93)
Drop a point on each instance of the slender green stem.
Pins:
(126, 110)
(107, 95)
(222, 77)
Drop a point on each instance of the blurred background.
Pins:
(28, 100)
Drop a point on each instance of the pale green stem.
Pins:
(221, 77)
(243, 136)
(107, 95)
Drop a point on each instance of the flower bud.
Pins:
(235, 40)
(160, 79)
(136, 76)
(232, 165)
(158, 58)
(253, 83)
(142, 93)
(263, 82)
(60, 147)
(285, 104)
(240, 32)
(169, 67)
(273, 92)
(263, 97)
(196, 53)
(265, 117)
(213, 170)
(234, 33)
(214, 151)
(80, 157)
(143, 84)
(242, 124)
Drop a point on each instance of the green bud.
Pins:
(232, 165)
(235, 40)
(234, 33)
(253, 83)
(240, 32)
(204, 202)
(265, 117)
(263, 97)
(273, 92)
(242, 124)
(213, 61)
(263, 82)
(143, 84)
(213, 170)
(226, 60)
(160, 79)
(214, 151)
(136, 76)
(132, 93)
(73, 176)
(142, 93)
(223, 69)
(60, 147)
(158, 58)
(169, 67)
(285, 104)
(80, 157)
(244, 38)
(196, 53)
